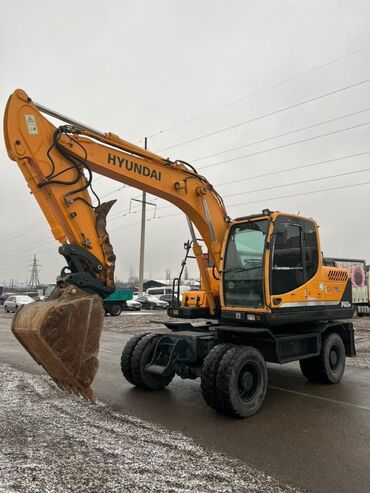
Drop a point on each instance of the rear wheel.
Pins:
(115, 310)
(328, 366)
(142, 356)
(127, 357)
(241, 381)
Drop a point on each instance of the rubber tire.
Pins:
(126, 357)
(115, 310)
(6, 309)
(142, 356)
(228, 398)
(318, 368)
(309, 368)
(209, 374)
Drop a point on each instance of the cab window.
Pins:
(243, 268)
(294, 254)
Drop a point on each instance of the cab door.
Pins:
(294, 261)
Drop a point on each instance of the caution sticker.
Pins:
(31, 124)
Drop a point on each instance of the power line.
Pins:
(299, 182)
(19, 219)
(266, 115)
(284, 170)
(17, 258)
(301, 194)
(127, 212)
(308, 139)
(114, 191)
(263, 140)
(309, 165)
(261, 91)
(32, 247)
(245, 203)
(23, 232)
(290, 132)
(288, 196)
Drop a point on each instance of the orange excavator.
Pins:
(265, 294)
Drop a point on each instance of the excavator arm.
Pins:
(58, 164)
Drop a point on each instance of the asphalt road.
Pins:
(315, 437)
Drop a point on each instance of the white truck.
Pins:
(359, 273)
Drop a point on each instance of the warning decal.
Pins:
(31, 124)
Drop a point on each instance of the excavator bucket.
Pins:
(62, 334)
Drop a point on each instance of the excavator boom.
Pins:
(62, 334)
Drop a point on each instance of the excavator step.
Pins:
(156, 369)
(165, 354)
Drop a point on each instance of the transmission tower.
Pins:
(34, 278)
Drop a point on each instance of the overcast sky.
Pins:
(177, 71)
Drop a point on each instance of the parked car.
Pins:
(16, 301)
(168, 298)
(152, 302)
(132, 306)
(4, 297)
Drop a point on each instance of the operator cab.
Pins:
(272, 272)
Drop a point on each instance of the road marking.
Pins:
(334, 401)
(106, 351)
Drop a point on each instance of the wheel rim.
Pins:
(334, 358)
(248, 381)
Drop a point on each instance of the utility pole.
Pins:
(142, 238)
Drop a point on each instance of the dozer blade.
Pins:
(62, 334)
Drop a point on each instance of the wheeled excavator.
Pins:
(265, 294)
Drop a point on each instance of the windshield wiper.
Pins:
(241, 269)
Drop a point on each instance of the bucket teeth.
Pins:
(62, 334)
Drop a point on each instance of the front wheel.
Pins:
(141, 357)
(6, 309)
(241, 382)
(328, 366)
(126, 357)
